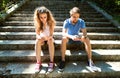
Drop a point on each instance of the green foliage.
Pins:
(4, 4)
(111, 6)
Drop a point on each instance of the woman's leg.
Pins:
(38, 44)
(51, 49)
(51, 52)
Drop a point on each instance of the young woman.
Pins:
(44, 28)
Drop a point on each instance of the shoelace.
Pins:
(37, 66)
(51, 65)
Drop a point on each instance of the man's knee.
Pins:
(85, 39)
(64, 39)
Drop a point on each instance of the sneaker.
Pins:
(38, 67)
(61, 66)
(93, 67)
(50, 67)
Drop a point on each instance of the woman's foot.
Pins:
(50, 67)
(38, 67)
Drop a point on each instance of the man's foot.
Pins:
(61, 66)
(93, 67)
(38, 67)
(50, 67)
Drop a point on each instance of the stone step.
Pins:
(59, 14)
(29, 23)
(57, 29)
(19, 13)
(87, 15)
(29, 44)
(57, 3)
(57, 35)
(76, 55)
(74, 69)
(26, 18)
(67, 8)
(57, 9)
(55, 12)
(67, 15)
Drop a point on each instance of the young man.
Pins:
(71, 29)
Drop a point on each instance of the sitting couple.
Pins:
(44, 27)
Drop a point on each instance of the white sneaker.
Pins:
(50, 67)
(94, 68)
(37, 68)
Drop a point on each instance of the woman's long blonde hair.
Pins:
(38, 23)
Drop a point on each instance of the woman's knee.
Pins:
(51, 40)
(38, 41)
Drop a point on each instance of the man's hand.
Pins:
(75, 38)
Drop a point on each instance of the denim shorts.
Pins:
(74, 42)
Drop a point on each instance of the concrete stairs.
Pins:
(17, 38)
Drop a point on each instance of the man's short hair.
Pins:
(74, 10)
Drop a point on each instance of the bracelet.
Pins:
(38, 36)
(85, 37)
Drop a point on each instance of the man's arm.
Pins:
(84, 31)
(65, 34)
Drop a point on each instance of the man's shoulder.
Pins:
(80, 20)
(67, 20)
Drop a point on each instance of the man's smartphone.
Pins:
(78, 36)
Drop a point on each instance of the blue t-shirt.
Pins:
(73, 29)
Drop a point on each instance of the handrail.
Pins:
(6, 13)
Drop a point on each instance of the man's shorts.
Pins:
(74, 42)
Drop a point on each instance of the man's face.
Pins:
(74, 17)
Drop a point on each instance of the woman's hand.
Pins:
(47, 37)
(38, 37)
(50, 37)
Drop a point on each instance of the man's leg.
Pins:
(63, 50)
(89, 53)
(87, 47)
(63, 47)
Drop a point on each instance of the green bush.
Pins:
(111, 6)
(4, 4)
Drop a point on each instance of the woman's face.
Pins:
(74, 17)
(43, 18)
